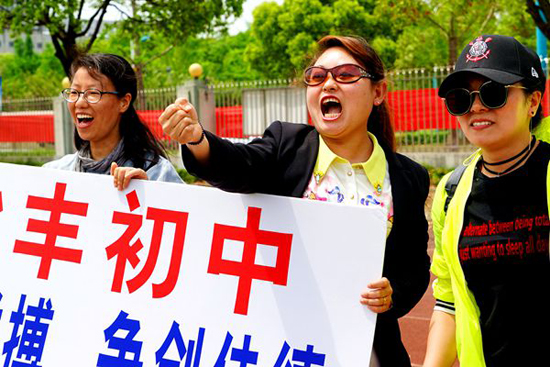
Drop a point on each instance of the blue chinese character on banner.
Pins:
(30, 344)
(0, 308)
(122, 345)
(174, 336)
(244, 356)
(307, 357)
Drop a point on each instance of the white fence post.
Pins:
(262, 106)
(63, 128)
(197, 92)
(202, 97)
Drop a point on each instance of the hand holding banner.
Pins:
(214, 279)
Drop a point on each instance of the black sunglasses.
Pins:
(345, 73)
(492, 95)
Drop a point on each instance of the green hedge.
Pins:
(436, 173)
(421, 137)
(186, 176)
(24, 161)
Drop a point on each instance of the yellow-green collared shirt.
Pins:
(336, 180)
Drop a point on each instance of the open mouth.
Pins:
(331, 108)
(84, 119)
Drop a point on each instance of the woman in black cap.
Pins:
(491, 238)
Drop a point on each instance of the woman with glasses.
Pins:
(109, 135)
(347, 157)
(491, 235)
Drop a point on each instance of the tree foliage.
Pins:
(454, 22)
(284, 36)
(221, 57)
(68, 22)
(515, 20)
(420, 46)
(435, 31)
(26, 74)
(406, 33)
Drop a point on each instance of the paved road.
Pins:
(414, 326)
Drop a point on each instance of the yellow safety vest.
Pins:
(450, 285)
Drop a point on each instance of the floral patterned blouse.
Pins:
(336, 180)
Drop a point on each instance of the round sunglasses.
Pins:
(345, 73)
(492, 95)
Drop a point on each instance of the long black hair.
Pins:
(140, 145)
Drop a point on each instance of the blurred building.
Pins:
(40, 37)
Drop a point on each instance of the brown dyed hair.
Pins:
(379, 122)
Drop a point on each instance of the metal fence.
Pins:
(150, 104)
(421, 122)
(420, 119)
(27, 130)
(243, 110)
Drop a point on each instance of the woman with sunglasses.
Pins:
(108, 134)
(347, 157)
(491, 237)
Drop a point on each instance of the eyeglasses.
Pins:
(72, 95)
(345, 73)
(492, 95)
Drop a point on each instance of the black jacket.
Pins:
(282, 162)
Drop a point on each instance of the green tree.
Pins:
(284, 36)
(222, 57)
(26, 59)
(515, 20)
(67, 23)
(139, 51)
(455, 22)
(433, 33)
(420, 46)
(26, 74)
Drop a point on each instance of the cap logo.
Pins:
(534, 72)
(479, 49)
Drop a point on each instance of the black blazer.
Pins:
(282, 162)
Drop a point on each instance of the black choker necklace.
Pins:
(525, 152)
(527, 148)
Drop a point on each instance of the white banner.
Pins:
(179, 275)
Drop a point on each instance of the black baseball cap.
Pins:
(498, 58)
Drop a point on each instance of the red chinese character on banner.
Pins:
(247, 270)
(125, 252)
(1, 205)
(53, 228)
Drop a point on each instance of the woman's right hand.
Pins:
(180, 122)
(123, 175)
